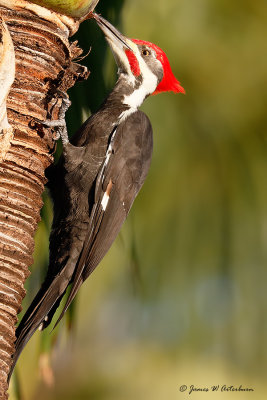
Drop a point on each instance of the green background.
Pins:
(181, 297)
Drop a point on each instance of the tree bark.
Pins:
(44, 69)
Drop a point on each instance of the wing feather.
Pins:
(120, 178)
(126, 168)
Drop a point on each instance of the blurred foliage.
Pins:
(180, 298)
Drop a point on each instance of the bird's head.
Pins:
(145, 66)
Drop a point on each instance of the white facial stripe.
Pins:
(135, 99)
(148, 86)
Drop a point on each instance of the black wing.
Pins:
(118, 183)
(120, 178)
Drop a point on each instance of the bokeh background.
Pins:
(181, 297)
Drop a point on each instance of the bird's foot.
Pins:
(60, 129)
(59, 124)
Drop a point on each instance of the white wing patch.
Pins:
(104, 201)
(105, 198)
(101, 175)
(109, 152)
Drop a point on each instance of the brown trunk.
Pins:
(44, 64)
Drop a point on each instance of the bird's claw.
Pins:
(56, 136)
(59, 124)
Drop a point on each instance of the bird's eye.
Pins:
(146, 52)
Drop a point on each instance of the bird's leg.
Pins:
(60, 123)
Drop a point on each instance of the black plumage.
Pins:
(83, 230)
(98, 176)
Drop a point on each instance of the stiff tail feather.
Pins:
(39, 314)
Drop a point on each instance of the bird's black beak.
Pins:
(117, 41)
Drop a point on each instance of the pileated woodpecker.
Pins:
(98, 176)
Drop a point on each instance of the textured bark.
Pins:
(44, 64)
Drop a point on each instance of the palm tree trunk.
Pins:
(44, 69)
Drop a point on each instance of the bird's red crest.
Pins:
(168, 82)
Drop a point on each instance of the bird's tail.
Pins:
(38, 315)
